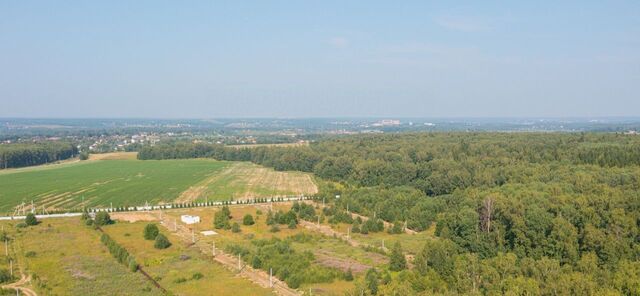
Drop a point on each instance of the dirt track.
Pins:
(24, 280)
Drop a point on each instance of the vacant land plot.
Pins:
(181, 269)
(67, 258)
(244, 180)
(328, 251)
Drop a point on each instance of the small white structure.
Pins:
(188, 219)
(208, 232)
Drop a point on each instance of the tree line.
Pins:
(29, 154)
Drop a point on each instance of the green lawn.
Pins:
(121, 182)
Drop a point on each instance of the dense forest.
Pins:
(28, 154)
(514, 213)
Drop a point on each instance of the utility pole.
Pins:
(318, 221)
(270, 277)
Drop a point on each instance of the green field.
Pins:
(128, 182)
(121, 182)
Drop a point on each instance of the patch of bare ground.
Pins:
(328, 259)
(114, 156)
(133, 216)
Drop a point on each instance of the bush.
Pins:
(179, 280)
(21, 225)
(30, 254)
(235, 228)
(292, 224)
(162, 242)
(197, 276)
(221, 219)
(84, 155)
(5, 276)
(151, 231)
(31, 219)
(397, 261)
(102, 218)
(274, 228)
(348, 276)
(133, 265)
(248, 220)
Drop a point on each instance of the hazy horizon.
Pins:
(331, 59)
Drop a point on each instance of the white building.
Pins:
(188, 219)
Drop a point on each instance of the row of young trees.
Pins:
(29, 154)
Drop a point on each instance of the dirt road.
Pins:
(24, 280)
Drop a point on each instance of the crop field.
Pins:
(174, 268)
(122, 181)
(67, 258)
(242, 180)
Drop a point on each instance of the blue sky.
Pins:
(319, 58)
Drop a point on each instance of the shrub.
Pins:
(248, 220)
(30, 254)
(221, 219)
(292, 224)
(5, 276)
(88, 222)
(133, 265)
(179, 280)
(102, 218)
(397, 261)
(235, 228)
(274, 228)
(31, 219)
(21, 225)
(84, 155)
(151, 231)
(348, 276)
(197, 276)
(162, 242)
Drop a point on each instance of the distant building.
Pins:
(387, 122)
(188, 219)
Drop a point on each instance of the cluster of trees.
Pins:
(561, 211)
(29, 154)
(119, 252)
(295, 268)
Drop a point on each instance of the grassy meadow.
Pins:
(174, 268)
(66, 257)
